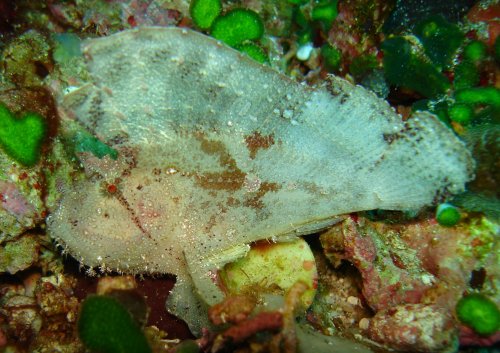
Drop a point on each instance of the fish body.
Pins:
(216, 151)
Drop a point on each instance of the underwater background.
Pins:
(418, 280)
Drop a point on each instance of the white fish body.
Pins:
(216, 151)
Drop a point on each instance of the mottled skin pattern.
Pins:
(216, 151)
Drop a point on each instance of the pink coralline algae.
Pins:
(21, 194)
(414, 327)
(391, 274)
(13, 201)
(401, 264)
(413, 275)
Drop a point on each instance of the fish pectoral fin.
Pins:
(184, 303)
(203, 271)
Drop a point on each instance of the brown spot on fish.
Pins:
(256, 141)
(256, 200)
(231, 179)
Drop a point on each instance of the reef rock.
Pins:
(21, 205)
(190, 151)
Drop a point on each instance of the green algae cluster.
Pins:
(405, 68)
(447, 215)
(443, 67)
(242, 28)
(479, 105)
(239, 28)
(106, 326)
(325, 12)
(466, 72)
(466, 75)
(331, 57)
(440, 39)
(254, 51)
(362, 65)
(475, 51)
(21, 138)
(417, 62)
(479, 313)
(461, 113)
(479, 95)
(309, 18)
(204, 12)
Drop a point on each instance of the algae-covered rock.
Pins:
(28, 121)
(19, 254)
(27, 59)
(21, 205)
